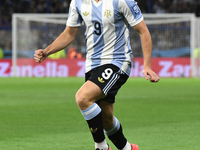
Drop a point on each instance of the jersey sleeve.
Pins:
(130, 11)
(74, 18)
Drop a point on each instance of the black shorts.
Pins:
(109, 78)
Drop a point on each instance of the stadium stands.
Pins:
(8, 7)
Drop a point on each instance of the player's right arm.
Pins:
(63, 40)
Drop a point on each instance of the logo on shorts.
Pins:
(101, 80)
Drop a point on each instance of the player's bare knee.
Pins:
(81, 100)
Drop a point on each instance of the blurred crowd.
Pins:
(170, 6)
(7, 7)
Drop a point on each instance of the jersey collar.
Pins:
(97, 4)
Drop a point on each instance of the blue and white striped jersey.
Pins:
(107, 34)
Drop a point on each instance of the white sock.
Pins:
(127, 146)
(102, 145)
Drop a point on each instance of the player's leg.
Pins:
(113, 128)
(88, 94)
(86, 97)
(107, 113)
(98, 83)
(106, 80)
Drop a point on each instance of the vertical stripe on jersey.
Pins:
(74, 19)
(119, 48)
(109, 31)
(97, 32)
(78, 5)
(85, 8)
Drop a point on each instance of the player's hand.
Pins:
(150, 75)
(40, 55)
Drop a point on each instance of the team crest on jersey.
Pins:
(85, 13)
(107, 13)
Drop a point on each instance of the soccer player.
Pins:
(108, 61)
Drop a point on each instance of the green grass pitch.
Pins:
(41, 114)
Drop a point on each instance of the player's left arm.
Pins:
(146, 43)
